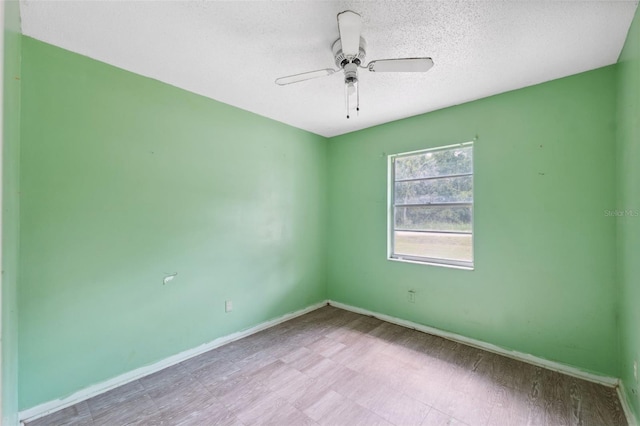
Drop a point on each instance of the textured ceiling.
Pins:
(233, 51)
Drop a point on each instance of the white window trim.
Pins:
(447, 263)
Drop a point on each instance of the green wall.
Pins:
(628, 184)
(10, 210)
(124, 179)
(544, 278)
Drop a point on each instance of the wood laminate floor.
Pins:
(334, 367)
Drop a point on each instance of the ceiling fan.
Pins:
(349, 52)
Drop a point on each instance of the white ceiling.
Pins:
(233, 51)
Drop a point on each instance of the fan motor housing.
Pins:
(342, 60)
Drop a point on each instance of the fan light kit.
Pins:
(349, 52)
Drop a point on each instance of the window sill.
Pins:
(424, 262)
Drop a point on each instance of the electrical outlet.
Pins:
(635, 370)
(412, 296)
(228, 306)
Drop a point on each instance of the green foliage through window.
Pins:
(432, 205)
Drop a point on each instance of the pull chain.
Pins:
(358, 99)
(346, 95)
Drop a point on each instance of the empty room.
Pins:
(320, 213)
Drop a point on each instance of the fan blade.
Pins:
(283, 81)
(401, 65)
(350, 26)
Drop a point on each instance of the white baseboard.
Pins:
(626, 406)
(520, 356)
(43, 409)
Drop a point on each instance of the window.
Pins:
(431, 206)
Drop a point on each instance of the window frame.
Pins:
(391, 208)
